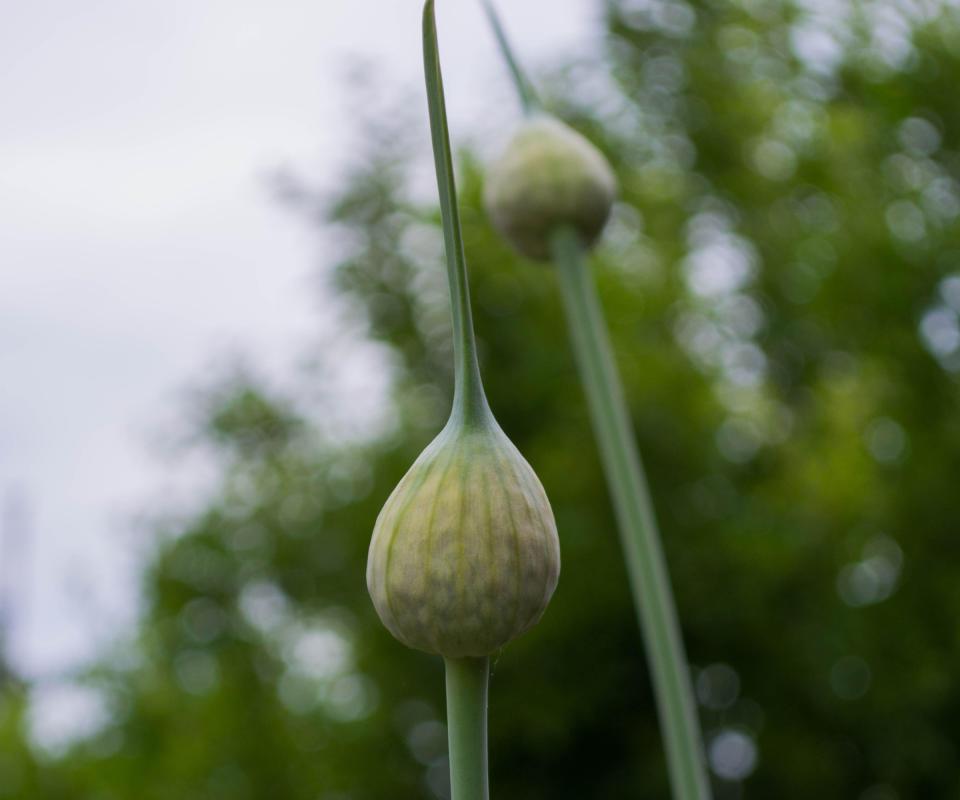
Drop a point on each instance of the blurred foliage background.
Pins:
(782, 280)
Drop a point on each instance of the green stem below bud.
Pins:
(639, 537)
(467, 682)
(469, 403)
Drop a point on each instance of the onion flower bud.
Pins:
(465, 554)
(549, 177)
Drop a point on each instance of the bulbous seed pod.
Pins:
(549, 177)
(465, 555)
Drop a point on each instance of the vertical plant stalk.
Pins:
(639, 536)
(468, 400)
(627, 483)
(525, 90)
(467, 678)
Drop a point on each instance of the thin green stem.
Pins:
(467, 678)
(646, 566)
(467, 681)
(525, 91)
(469, 403)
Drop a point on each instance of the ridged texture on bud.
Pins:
(465, 554)
(549, 177)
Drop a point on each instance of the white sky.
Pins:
(138, 242)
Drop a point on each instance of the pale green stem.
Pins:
(467, 681)
(525, 90)
(469, 403)
(639, 537)
(467, 678)
(645, 563)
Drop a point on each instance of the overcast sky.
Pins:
(138, 243)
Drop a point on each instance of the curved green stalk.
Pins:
(467, 681)
(469, 403)
(525, 90)
(638, 528)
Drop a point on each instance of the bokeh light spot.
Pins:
(886, 440)
(850, 678)
(718, 686)
(732, 754)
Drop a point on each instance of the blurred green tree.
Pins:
(782, 279)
